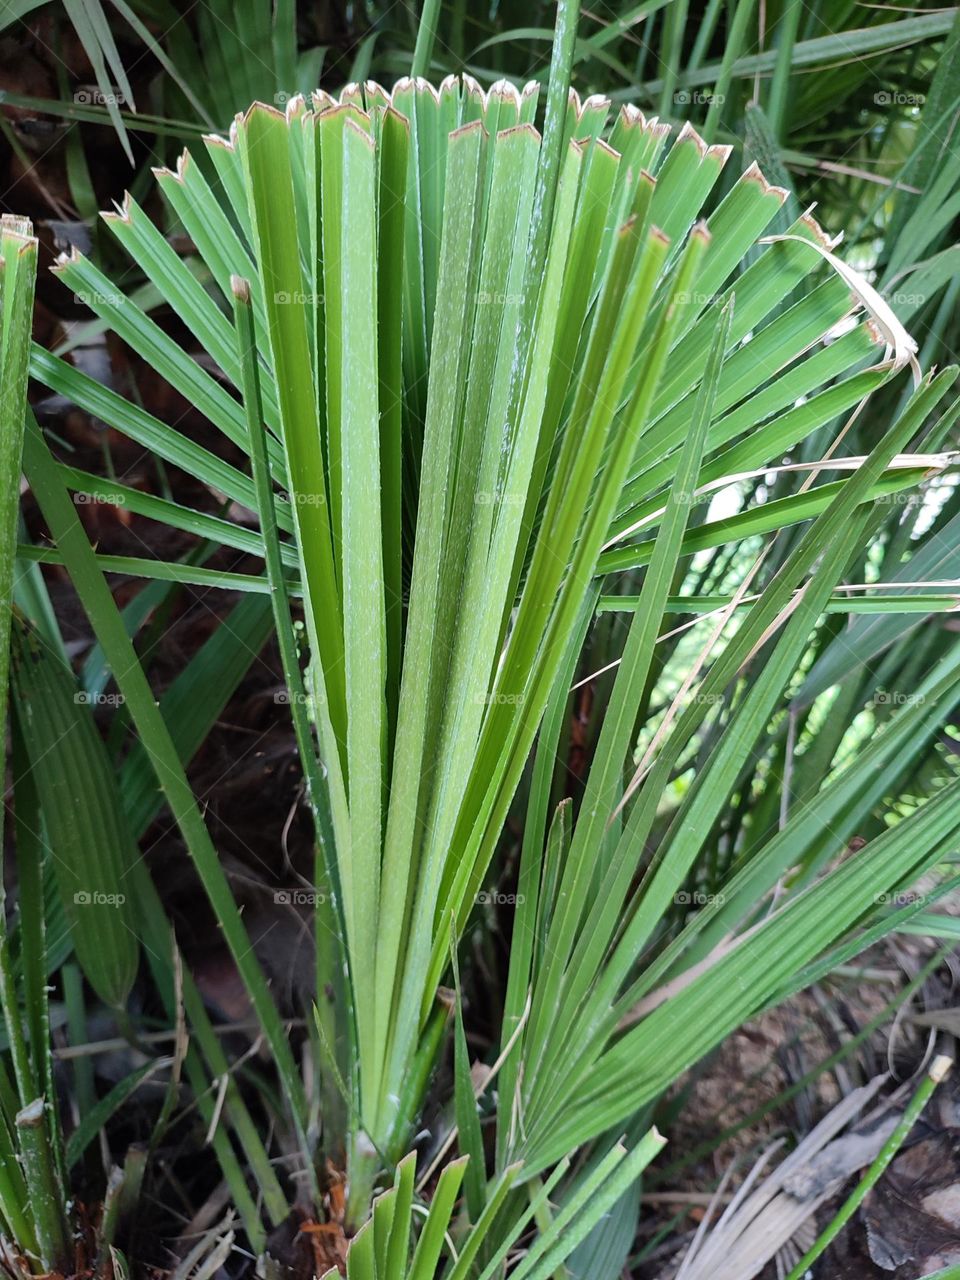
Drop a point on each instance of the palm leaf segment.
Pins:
(479, 358)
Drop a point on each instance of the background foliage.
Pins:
(502, 642)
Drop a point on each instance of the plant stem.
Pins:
(15, 1220)
(27, 1085)
(417, 1078)
(939, 1069)
(46, 1196)
(426, 37)
(363, 1164)
(112, 1204)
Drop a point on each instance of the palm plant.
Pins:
(482, 382)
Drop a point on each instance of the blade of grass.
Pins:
(939, 1069)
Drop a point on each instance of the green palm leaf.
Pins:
(475, 372)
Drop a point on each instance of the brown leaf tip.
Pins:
(755, 174)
